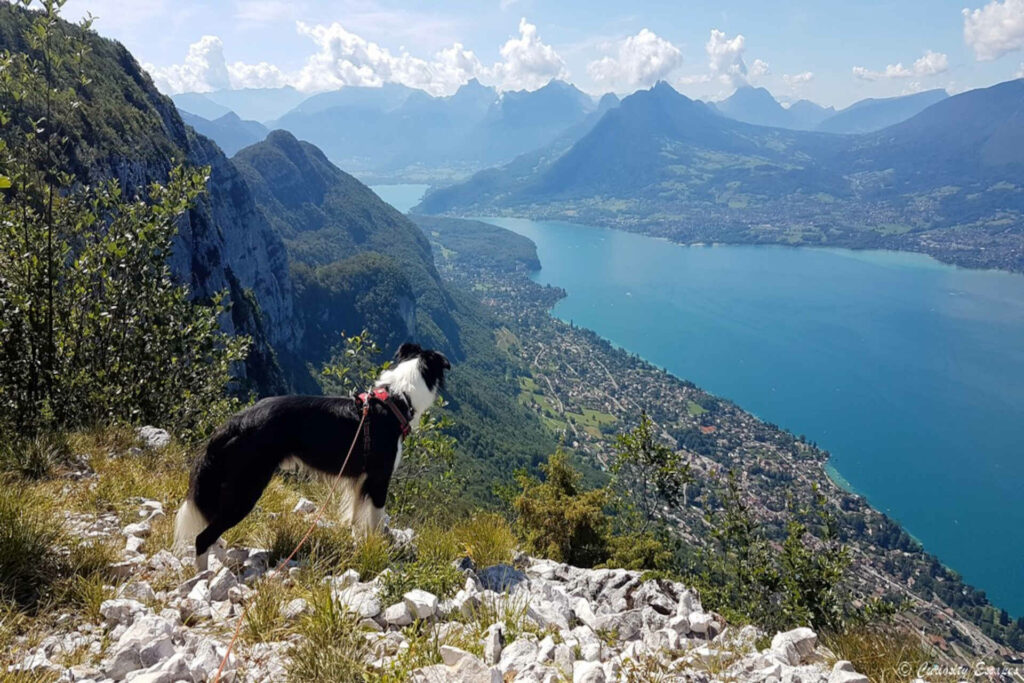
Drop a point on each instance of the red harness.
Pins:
(381, 394)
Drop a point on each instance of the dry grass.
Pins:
(330, 645)
(486, 538)
(885, 655)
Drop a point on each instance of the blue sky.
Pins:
(830, 52)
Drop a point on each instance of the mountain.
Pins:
(255, 104)
(128, 131)
(199, 104)
(229, 132)
(330, 222)
(807, 115)
(395, 131)
(754, 105)
(666, 165)
(358, 263)
(871, 114)
(758, 106)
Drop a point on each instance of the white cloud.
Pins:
(264, 11)
(1020, 71)
(930, 64)
(641, 60)
(995, 29)
(343, 58)
(794, 81)
(725, 58)
(759, 69)
(204, 69)
(527, 63)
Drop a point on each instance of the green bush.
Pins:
(560, 520)
(93, 326)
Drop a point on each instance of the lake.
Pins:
(910, 372)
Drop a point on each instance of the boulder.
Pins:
(792, 647)
(421, 604)
(588, 672)
(398, 615)
(493, 642)
(501, 578)
(120, 611)
(843, 672)
(153, 437)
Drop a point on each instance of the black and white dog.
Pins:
(314, 433)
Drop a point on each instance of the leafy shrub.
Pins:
(486, 538)
(560, 520)
(93, 326)
(743, 576)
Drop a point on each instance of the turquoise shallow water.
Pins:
(910, 372)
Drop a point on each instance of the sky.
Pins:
(831, 52)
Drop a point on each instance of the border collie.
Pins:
(314, 433)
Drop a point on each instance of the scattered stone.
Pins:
(295, 609)
(304, 506)
(398, 614)
(153, 437)
(421, 604)
(792, 647)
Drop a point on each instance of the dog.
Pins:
(313, 433)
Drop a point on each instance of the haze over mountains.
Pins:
(948, 181)
(394, 132)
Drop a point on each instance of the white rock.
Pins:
(295, 609)
(700, 622)
(452, 655)
(680, 624)
(421, 604)
(137, 590)
(588, 672)
(844, 672)
(398, 615)
(154, 437)
(200, 592)
(140, 529)
(304, 506)
(517, 656)
(120, 610)
(493, 641)
(221, 585)
(792, 647)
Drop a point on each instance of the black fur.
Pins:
(242, 456)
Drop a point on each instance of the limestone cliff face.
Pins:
(124, 128)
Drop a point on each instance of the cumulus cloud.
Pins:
(995, 29)
(204, 69)
(725, 58)
(794, 81)
(758, 69)
(930, 64)
(343, 58)
(640, 61)
(527, 63)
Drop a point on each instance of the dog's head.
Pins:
(432, 364)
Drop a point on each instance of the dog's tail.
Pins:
(194, 514)
(188, 523)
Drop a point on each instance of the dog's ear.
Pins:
(408, 350)
(444, 361)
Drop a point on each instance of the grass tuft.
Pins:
(487, 538)
(29, 536)
(330, 645)
(884, 655)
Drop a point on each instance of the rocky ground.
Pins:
(545, 621)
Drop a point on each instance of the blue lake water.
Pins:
(910, 372)
(402, 197)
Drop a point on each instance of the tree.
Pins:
(93, 326)
(558, 518)
(647, 476)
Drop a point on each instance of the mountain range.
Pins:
(756, 105)
(948, 181)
